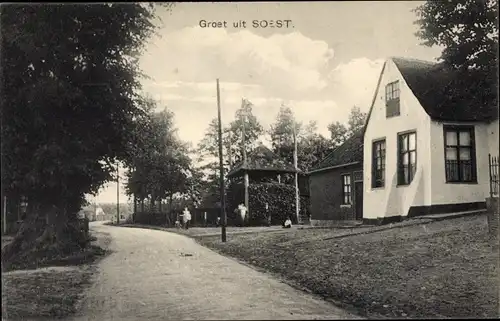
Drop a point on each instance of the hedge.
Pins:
(153, 218)
(160, 218)
(280, 198)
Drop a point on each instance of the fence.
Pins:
(493, 167)
(492, 201)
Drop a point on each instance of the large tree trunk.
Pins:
(26, 234)
(48, 232)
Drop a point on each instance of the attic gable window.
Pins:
(392, 99)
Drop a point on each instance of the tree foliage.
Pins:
(468, 33)
(339, 132)
(282, 132)
(69, 101)
(356, 120)
(244, 121)
(311, 146)
(160, 165)
(232, 140)
(208, 171)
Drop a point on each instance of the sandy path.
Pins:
(156, 275)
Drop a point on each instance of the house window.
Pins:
(407, 157)
(346, 190)
(459, 154)
(392, 99)
(378, 163)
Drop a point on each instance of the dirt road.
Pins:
(156, 275)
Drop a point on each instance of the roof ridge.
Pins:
(414, 60)
(358, 134)
(434, 85)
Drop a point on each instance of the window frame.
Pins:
(376, 143)
(472, 147)
(392, 99)
(401, 154)
(344, 185)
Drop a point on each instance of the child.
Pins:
(288, 223)
(243, 212)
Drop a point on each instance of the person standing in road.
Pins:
(186, 217)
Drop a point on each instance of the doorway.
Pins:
(358, 205)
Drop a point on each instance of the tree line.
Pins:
(245, 131)
(71, 108)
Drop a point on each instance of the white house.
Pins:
(423, 153)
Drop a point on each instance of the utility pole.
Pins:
(4, 215)
(221, 167)
(229, 150)
(243, 142)
(297, 196)
(117, 193)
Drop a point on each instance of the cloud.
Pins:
(288, 68)
(356, 79)
(280, 64)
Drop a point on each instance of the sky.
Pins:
(326, 61)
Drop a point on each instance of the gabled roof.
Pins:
(262, 159)
(436, 88)
(350, 152)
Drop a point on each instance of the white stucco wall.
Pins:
(486, 141)
(493, 138)
(392, 200)
(455, 193)
(493, 141)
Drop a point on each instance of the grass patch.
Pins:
(53, 258)
(441, 269)
(51, 292)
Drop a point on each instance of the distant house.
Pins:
(424, 153)
(336, 184)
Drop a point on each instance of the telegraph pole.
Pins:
(297, 195)
(221, 166)
(229, 151)
(117, 193)
(4, 212)
(243, 143)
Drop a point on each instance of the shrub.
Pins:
(279, 197)
(150, 218)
